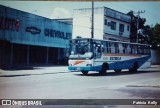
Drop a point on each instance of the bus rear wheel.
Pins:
(134, 69)
(84, 72)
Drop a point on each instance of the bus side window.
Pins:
(131, 48)
(109, 47)
(142, 49)
(104, 48)
(134, 49)
(139, 49)
(124, 48)
(145, 50)
(112, 48)
(149, 51)
(120, 48)
(98, 48)
(127, 48)
(116, 48)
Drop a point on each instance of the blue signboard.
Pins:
(117, 15)
(25, 28)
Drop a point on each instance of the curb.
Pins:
(157, 86)
(16, 75)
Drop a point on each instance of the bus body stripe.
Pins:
(78, 62)
(122, 55)
(114, 65)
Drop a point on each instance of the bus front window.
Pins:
(81, 50)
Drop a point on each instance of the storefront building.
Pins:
(108, 24)
(30, 39)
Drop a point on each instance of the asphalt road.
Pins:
(74, 85)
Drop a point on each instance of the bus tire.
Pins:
(134, 69)
(117, 70)
(84, 72)
(104, 69)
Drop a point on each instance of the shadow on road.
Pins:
(142, 92)
(116, 74)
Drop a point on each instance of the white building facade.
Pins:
(109, 24)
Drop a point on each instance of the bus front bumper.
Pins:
(84, 68)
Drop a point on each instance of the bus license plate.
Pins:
(78, 68)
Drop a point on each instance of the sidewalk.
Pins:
(36, 70)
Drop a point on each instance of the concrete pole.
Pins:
(138, 25)
(47, 50)
(28, 52)
(3, 53)
(92, 25)
(59, 54)
(11, 55)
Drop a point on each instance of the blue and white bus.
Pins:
(101, 55)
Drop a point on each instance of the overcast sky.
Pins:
(62, 9)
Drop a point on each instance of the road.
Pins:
(74, 85)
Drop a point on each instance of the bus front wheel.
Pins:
(104, 69)
(84, 72)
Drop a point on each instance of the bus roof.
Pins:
(111, 41)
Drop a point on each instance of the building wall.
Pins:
(155, 59)
(82, 23)
(27, 39)
(108, 30)
(25, 28)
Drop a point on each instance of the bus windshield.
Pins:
(81, 48)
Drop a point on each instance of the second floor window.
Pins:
(128, 28)
(105, 22)
(113, 25)
(121, 27)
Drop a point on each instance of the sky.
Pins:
(64, 9)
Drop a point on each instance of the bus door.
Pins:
(97, 49)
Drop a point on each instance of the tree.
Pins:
(133, 32)
(134, 21)
(154, 35)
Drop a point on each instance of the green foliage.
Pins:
(154, 35)
(134, 20)
(152, 32)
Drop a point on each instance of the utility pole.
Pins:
(92, 25)
(138, 15)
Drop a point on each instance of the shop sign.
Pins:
(56, 34)
(33, 30)
(9, 24)
(117, 15)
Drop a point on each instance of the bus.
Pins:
(87, 54)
